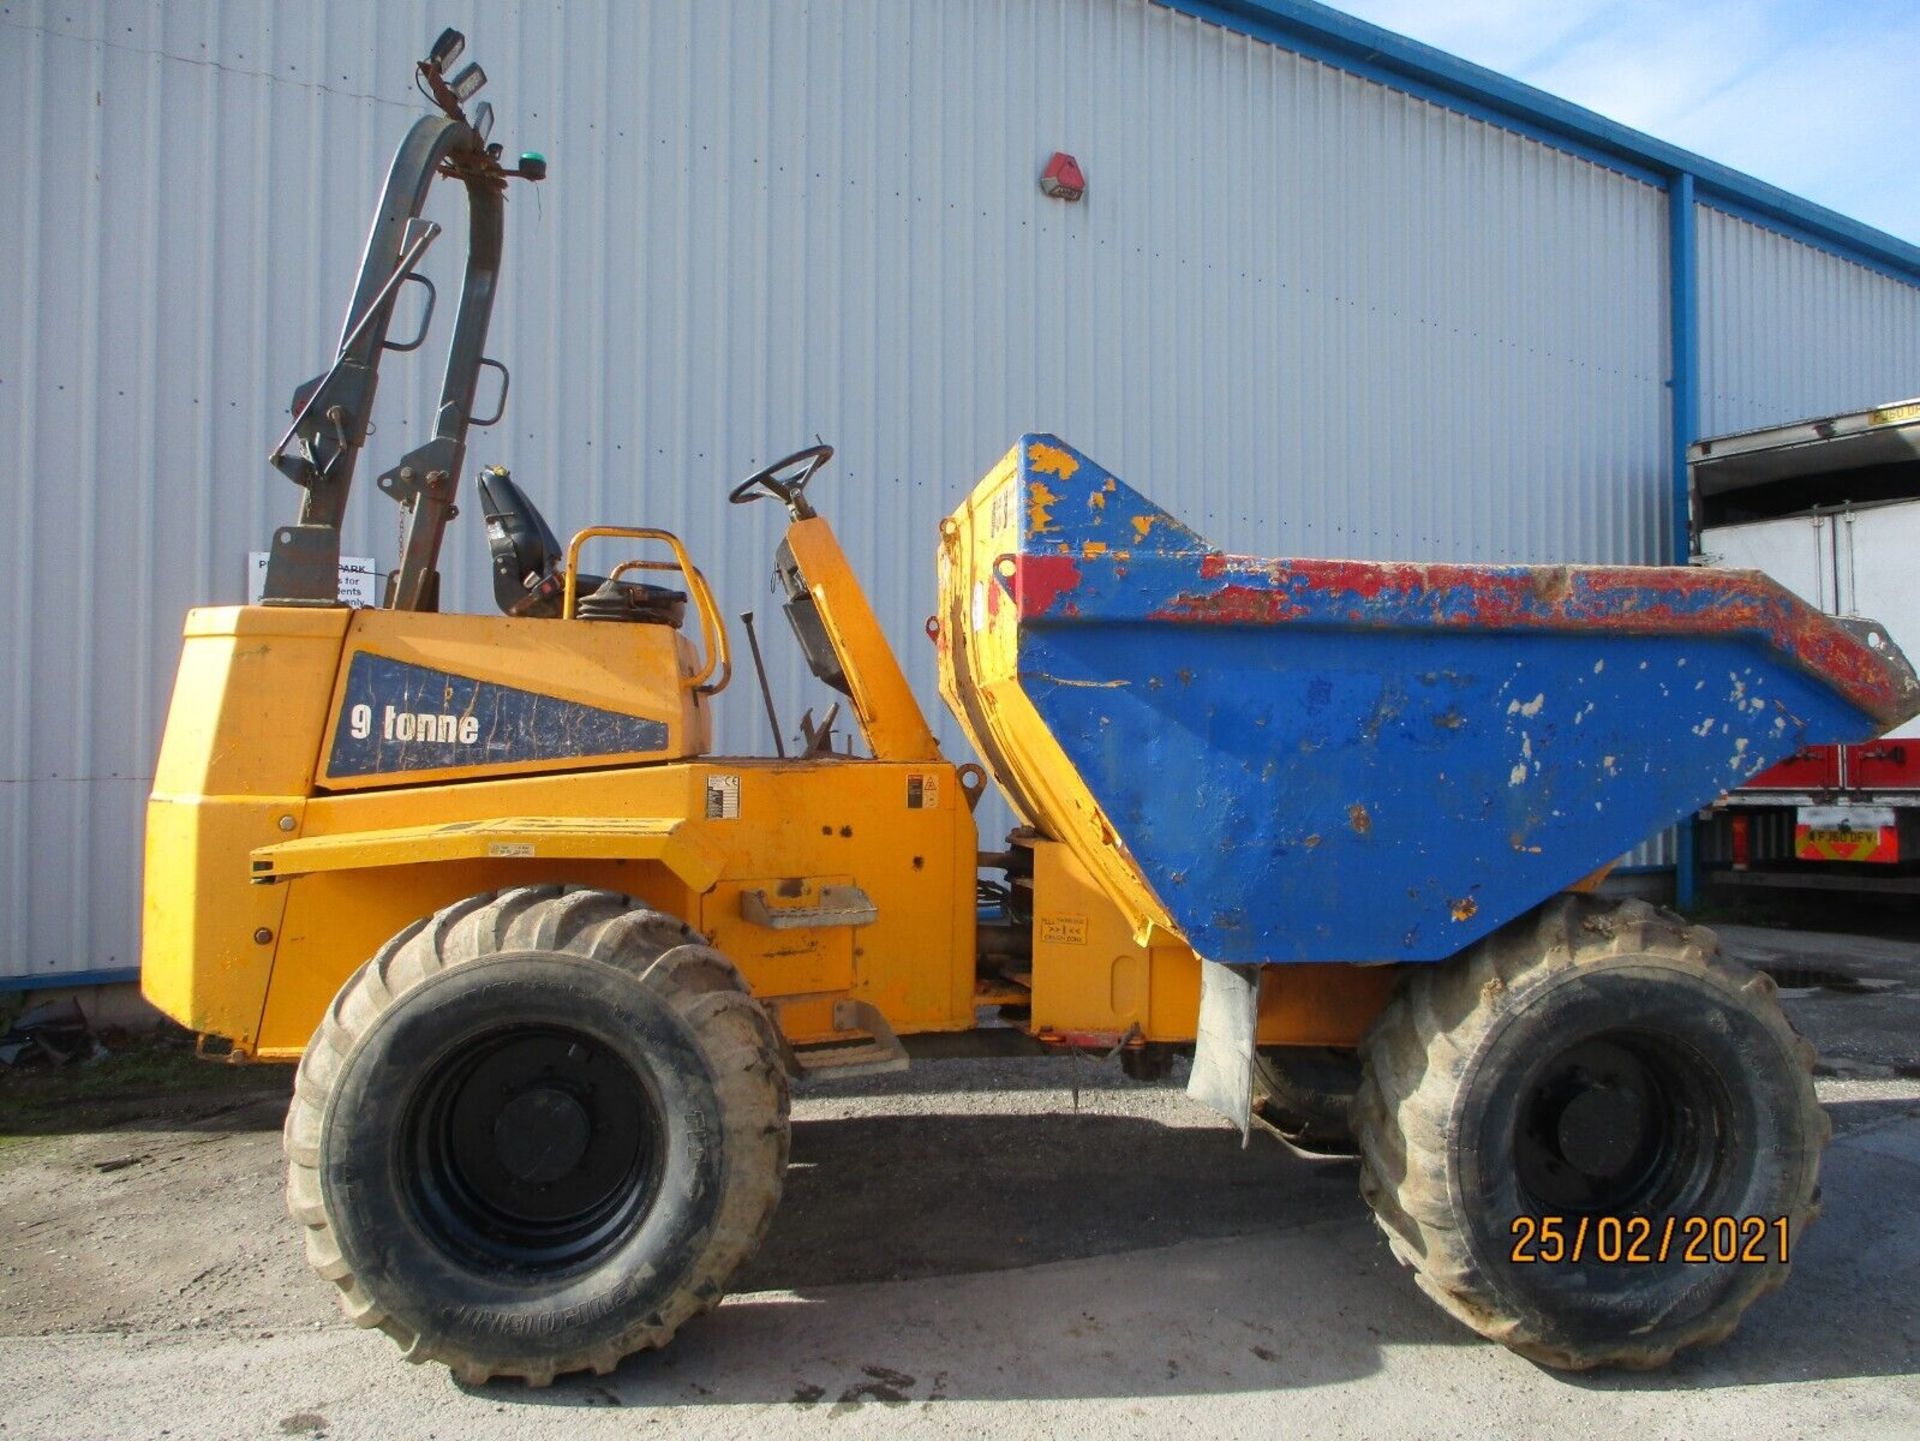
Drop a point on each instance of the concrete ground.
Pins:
(962, 1250)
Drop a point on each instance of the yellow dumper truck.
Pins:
(1326, 827)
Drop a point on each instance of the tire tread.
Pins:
(701, 986)
(1415, 1055)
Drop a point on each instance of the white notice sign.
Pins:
(357, 577)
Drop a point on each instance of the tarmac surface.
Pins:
(1033, 1247)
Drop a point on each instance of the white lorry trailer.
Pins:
(1830, 508)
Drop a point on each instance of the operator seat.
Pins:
(529, 566)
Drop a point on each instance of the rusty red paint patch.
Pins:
(1232, 605)
(1039, 581)
(1630, 600)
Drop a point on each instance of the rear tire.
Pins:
(1594, 1059)
(1305, 1093)
(537, 1132)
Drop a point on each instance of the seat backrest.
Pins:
(524, 547)
(528, 561)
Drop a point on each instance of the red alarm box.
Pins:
(1062, 178)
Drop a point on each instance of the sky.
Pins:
(1819, 97)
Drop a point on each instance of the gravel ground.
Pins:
(963, 1247)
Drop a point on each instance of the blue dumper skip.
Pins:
(1314, 760)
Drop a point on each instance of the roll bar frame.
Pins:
(321, 448)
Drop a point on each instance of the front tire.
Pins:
(1594, 1059)
(537, 1132)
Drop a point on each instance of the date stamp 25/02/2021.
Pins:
(1648, 1240)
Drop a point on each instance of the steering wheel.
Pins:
(784, 480)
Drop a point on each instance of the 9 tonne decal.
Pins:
(400, 717)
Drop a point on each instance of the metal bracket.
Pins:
(404, 483)
(839, 906)
(303, 568)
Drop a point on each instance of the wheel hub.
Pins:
(1616, 1123)
(1602, 1129)
(541, 1135)
(532, 1148)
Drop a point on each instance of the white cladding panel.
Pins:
(1306, 312)
(1788, 332)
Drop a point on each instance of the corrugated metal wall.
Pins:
(1308, 313)
(1788, 332)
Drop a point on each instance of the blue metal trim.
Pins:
(1375, 63)
(1354, 45)
(1683, 286)
(60, 980)
(1683, 279)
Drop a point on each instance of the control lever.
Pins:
(819, 738)
(766, 691)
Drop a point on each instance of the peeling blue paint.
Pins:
(1353, 761)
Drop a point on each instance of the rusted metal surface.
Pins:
(1200, 586)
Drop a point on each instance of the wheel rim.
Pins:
(531, 1148)
(1622, 1122)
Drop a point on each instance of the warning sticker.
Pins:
(723, 798)
(1001, 510)
(510, 850)
(923, 793)
(1064, 930)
